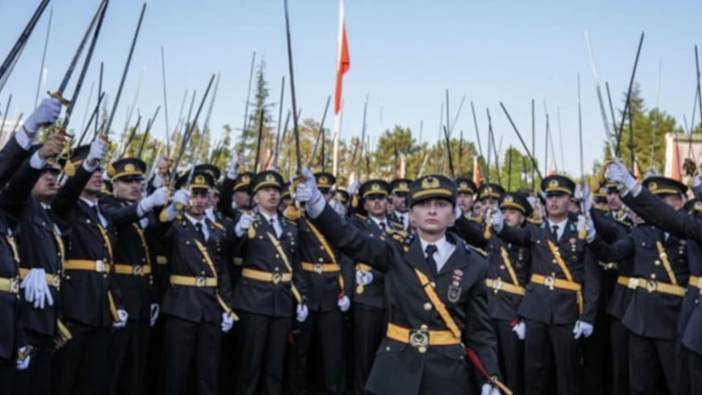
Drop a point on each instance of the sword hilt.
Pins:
(58, 95)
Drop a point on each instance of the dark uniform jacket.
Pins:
(132, 248)
(400, 368)
(557, 306)
(614, 297)
(193, 303)
(258, 252)
(688, 227)
(323, 288)
(650, 314)
(85, 295)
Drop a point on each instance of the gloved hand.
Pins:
(520, 330)
(344, 303)
(338, 207)
(302, 312)
(488, 389)
(353, 187)
(227, 322)
(23, 358)
(497, 219)
(232, 170)
(585, 223)
(583, 329)
(181, 197)
(618, 173)
(157, 198)
(45, 114)
(457, 212)
(97, 153)
(243, 225)
(36, 290)
(155, 310)
(210, 214)
(121, 321)
(53, 146)
(308, 193)
(364, 278)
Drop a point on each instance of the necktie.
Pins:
(382, 226)
(272, 221)
(430, 250)
(201, 233)
(554, 232)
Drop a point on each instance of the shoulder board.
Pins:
(625, 223)
(217, 225)
(479, 251)
(476, 220)
(289, 221)
(359, 216)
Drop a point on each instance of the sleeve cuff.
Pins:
(36, 162)
(23, 139)
(315, 208)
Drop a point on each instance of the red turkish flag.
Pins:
(343, 61)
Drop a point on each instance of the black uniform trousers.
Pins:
(128, 351)
(511, 356)
(7, 377)
(369, 325)
(694, 364)
(228, 362)
(81, 366)
(328, 327)
(551, 359)
(597, 363)
(191, 356)
(650, 362)
(262, 343)
(36, 379)
(619, 337)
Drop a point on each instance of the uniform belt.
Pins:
(656, 286)
(552, 282)
(188, 281)
(623, 280)
(99, 266)
(696, 282)
(9, 285)
(54, 280)
(135, 270)
(320, 268)
(421, 338)
(497, 285)
(268, 277)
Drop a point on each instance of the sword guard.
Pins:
(59, 96)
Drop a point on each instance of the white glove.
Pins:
(157, 198)
(353, 188)
(344, 303)
(585, 223)
(181, 197)
(97, 153)
(36, 290)
(227, 322)
(587, 199)
(210, 214)
(457, 212)
(122, 316)
(24, 358)
(364, 278)
(307, 192)
(157, 182)
(46, 114)
(520, 330)
(498, 220)
(302, 313)
(487, 389)
(338, 207)
(155, 310)
(243, 224)
(232, 170)
(618, 173)
(583, 329)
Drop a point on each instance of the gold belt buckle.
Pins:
(419, 339)
(100, 266)
(550, 281)
(651, 286)
(318, 268)
(633, 283)
(276, 278)
(497, 285)
(200, 281)
(138, 270)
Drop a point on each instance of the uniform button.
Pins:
(277, 256)
(657, 262)
(653, 275)
(202, 272)
(502, 267)
(321, 259)
(433, 284)
(424, 327)
(422, 349)
(553, 260)
(427, 306)
(387, 348)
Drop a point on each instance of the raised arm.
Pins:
(656, 212)
(471, 231)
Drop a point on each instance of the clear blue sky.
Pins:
(404, 54)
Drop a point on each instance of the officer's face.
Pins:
(557, 204)
(477, 209)
(614, 202)
(268, 199)
(128, 189)
(674, 201)
(94, 185)
(376, 206)
(432, 216)
(465, 201)
(46, 187)
(242, 199)
(198, 202)
(513, 218)
(399, 201)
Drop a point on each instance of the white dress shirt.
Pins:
(561, 227)
(91, 204)
(385, 225)
(202, 222)
(275, 222)
(444, 249)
